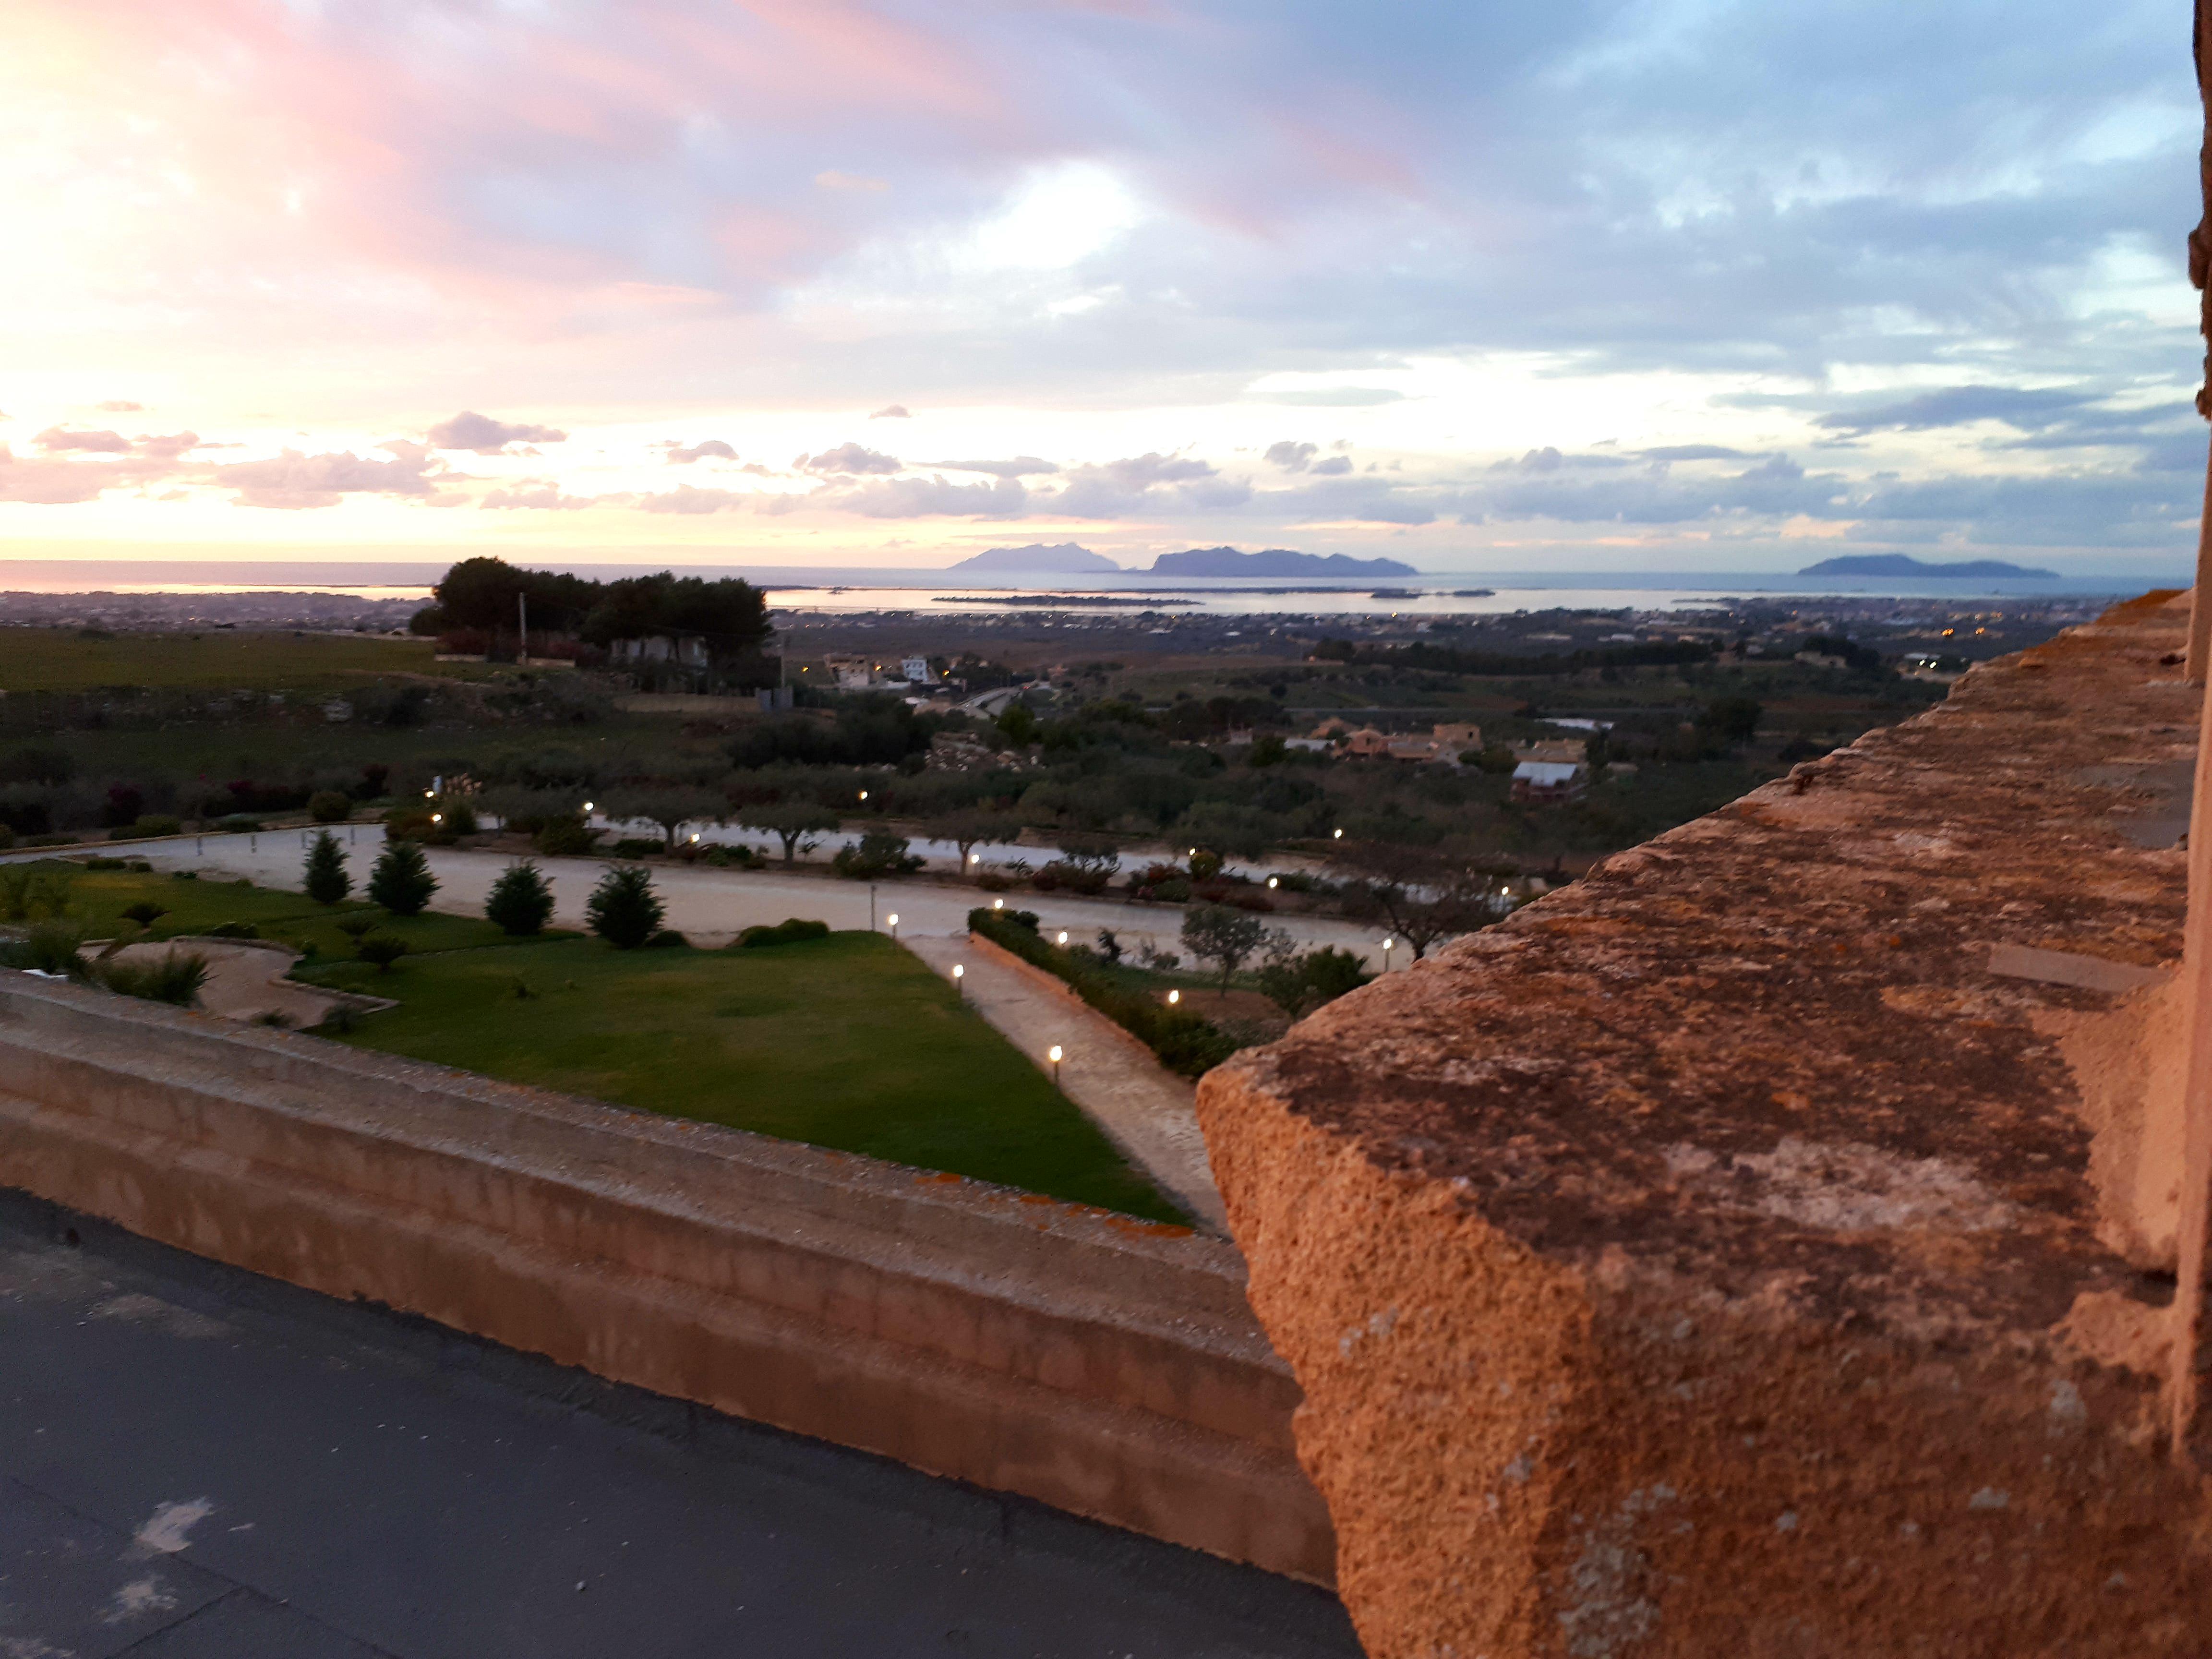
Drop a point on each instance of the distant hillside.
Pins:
(1903, 564)
(1274, 562)
(1036, 559)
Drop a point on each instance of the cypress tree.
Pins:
(327, 881)
(521, 901)
(402, 882)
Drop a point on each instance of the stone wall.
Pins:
(1106, 1365)
(1766, 1245)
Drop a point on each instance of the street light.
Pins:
(587, 807)
(1387, 944)
(1053, 1054)
(975, 858)
(959, 974)
(1339, 834)
(1174, 997)
(437, 817)
(894, 921)
(1063, 936)
(1271, 881)
(864, 794)
(998, 904)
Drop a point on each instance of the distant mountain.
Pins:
(1903, 564)
(1274, 562)
(1036, 559)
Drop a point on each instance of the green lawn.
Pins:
(846, 1041)
(99, 897)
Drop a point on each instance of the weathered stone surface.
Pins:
(1718, 1258)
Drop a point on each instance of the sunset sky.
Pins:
(1679, 285)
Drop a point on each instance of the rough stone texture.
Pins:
(1106, 1365)
(1718, 1258)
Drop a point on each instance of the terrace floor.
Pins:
(197, 1461)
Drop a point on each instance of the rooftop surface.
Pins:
(199, 1463)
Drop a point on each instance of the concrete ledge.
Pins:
(1103, 1364)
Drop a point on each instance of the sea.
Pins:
(880, 590)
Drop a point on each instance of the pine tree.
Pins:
(521, 901)
(327, 881)
(402, 882)
(623, 908)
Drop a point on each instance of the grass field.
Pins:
(846, 1041)
(99, 897)
(63, 659)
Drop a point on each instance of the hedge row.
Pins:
(1184, 1043)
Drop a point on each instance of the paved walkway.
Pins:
(196, 1463)
(1146, 1110)
(710, 904)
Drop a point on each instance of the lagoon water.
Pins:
(854, 590)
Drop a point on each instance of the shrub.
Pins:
(877, 853)
(415, 824)
(183, 875)
(732, 858)
(565, 837)
(176, 977)
(1205, 864)
(326, 881)
(50, 947)
(992, 882)
(636, 847)
(667, 939)
(238, 823)
(788, 932)
(624, 909)
(330, 807)
(154, 823)
(383, 949)
(31, 892)
(521, 901)
(357, 926)
(402, 882)
(105, 864)
(7, 837)
(1185, 1043)
(1300, 984)
(145, 913)
(237, 930)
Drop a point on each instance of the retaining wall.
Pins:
(1105, 1365)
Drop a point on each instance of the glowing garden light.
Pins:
(1053, 1054)
(1174, 997)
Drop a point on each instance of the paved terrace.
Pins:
(198, 1463)
(1767, 1245)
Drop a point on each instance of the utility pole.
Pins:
(522, 629)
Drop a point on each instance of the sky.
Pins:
(1625, 285)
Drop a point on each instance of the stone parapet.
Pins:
(1103, 1364)
(1766, 1245)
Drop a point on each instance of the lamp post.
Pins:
(1174, 997)
(1053, 1054)
(1387, 944)
(1271, 884)
(1063, 937)
(894, 922)
(872, 907)
(960, 981)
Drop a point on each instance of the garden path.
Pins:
(1146, 1110)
